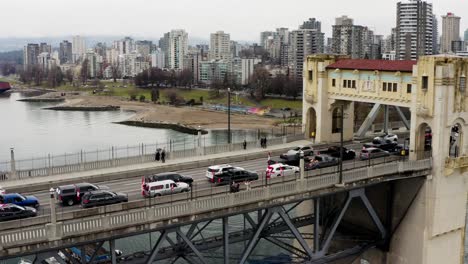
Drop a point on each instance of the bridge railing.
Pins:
(84, 161)
(259, 193)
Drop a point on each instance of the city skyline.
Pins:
(244, 24)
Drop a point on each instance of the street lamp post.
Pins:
(341, 183)
(53, 216)
(301, 164)
(229, 115)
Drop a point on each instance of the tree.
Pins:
(260, 81)
(292, 88)
(154, 95)
(54, 77)
(69, 75)
(37, 75)
(278, 85)
(215, 87)
(115, 71)
(8, 69)
(174, 98)
(185, 78)
(84, 71)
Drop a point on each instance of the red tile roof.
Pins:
(379, 65)
(4, 85)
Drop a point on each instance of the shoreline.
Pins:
(172, 126)
(184, 119)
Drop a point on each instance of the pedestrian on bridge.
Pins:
(157, 157)
(163, 156)
(244, 144)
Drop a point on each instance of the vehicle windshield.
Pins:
(213, 170)
(22, 197)
(296, 148)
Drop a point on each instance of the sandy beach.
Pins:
(153, 113)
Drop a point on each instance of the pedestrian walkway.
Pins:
(144, 167)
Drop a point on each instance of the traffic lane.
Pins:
(201, 184)
(133, 185)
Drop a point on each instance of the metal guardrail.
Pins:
(49, 169)
(75, 227)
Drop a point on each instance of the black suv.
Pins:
(176, 177)
(97, 198)
(71, 194)
(235, 175)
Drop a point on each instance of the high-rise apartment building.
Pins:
(450, 32)
(143, 47)
(44, 47)
(303, 42)
(414, 29)
(264, 36)
(65, 52)
(465, 38)
(192, 63)
(158, 59)
(177, 49)
(220, 46)
(353, 40)
(435, 35)
(125, 45)
(30, 54)
(78, 48)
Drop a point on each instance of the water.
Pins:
(35, 132)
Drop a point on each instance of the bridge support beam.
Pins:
(403, 118)
(369, 120)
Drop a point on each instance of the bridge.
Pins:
(390, 210)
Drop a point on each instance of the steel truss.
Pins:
(272, 224)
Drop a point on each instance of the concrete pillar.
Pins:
(433, 230)
(13, 174)
(199, 142)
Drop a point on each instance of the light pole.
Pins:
(341, 183)
(229, 115)
(301, 164)
(53, 216)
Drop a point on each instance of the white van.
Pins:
(160, 188)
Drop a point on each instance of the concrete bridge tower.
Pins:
(434, 229)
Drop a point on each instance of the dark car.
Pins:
(176, 177)
(71, 194)
(387, 145)
(99, 198)
(18, 199)
(235, 175)
(334, 151)
(321, 161)
(13, 211)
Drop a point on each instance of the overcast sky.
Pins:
(243, 19)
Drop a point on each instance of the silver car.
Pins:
(372, 153)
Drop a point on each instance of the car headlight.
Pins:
(34, 210)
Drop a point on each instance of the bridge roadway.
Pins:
(132, 186)
(141, 216)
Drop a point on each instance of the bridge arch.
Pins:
(424, 141)
(312, 123)
(456, 138)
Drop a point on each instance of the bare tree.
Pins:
(84, 71)
(115, 70)
(260, 81)
(69, 75)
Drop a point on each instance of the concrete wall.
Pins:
(433, 231)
